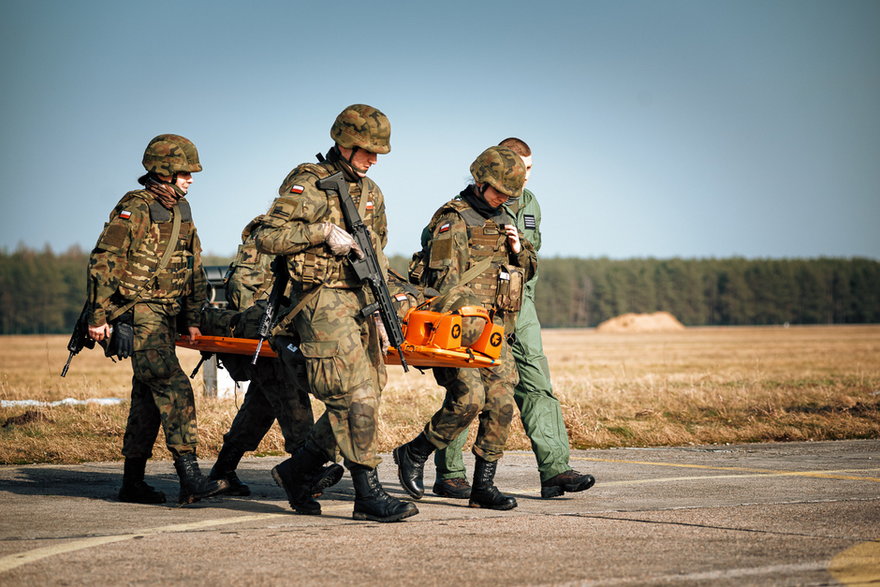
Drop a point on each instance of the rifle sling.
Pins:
(163, 262)
(288, 318)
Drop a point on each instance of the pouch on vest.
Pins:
(508, 295)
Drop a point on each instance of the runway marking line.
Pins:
(12, 561)
(857, 565)
(759, 472)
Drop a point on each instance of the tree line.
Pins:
(42, 292)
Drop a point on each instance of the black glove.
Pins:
(124, 335)
(121, 344)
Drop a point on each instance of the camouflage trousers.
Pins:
(471, 393)
(345, 370)
(270, 397)
(161, 393)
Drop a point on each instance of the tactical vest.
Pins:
(174, 281)
(317, 265)
(499, 284)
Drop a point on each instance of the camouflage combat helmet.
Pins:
(170, 154)
(362, 126)
(502, 169)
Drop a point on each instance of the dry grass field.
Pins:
(698, 386)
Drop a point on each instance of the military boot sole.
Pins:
(145, 499)
(235, 489)
(558, 490)
(328, 477)
(406, 513)
(489, 506)
(190, 498)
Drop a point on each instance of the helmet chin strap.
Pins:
(173, 183)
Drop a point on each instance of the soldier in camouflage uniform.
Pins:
(540, 411)
(342, 349)
(269, 396)
(475, 248)
(146, 272)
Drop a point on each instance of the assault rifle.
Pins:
(80, 337)
(367, 269)
(274, 303)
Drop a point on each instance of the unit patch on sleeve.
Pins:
(529, 221)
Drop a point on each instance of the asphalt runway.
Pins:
(780, 514)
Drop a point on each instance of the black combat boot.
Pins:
(193, 485)
(410, 459)
(326, 478)
(456, 488)
(134, 488)
(224, 468)
(484, 493)
(570, 481)
(372, 503)
(296, 476)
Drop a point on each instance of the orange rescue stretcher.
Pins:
(432, 339)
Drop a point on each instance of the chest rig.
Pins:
(317, 265)
(488, 273)
(141, 273)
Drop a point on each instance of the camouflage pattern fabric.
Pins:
(501, 168)
(470, 393)
(362, 126)
(540, 410)
(345, 370)
(292, 227)
(249, 273)
(170, 154)
(343, 361)
(462, 238)
(271, 394)
(124, 261)
(127, 254)
(161, 392)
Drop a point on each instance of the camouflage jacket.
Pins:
(292, 227)
(460, 238)
(249, 278)
(123, 264)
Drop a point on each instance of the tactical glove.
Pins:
(124, 335)
(121, 343)
(339, 241)
(384, 341)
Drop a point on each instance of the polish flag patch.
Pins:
(370, 205)
(125, 214)
(444, 228)
(296, 189)
(401, 297)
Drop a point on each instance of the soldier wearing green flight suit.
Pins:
(269, 395)
(475, 253)
(343, 349)
(540, 412)
(145, 280)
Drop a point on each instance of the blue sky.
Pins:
(659, 128)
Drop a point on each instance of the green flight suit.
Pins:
(540, 411)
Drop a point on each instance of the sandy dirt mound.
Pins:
(656, 322)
